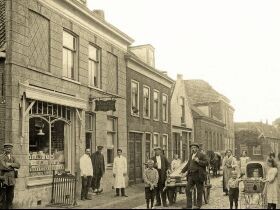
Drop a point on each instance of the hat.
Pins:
(157, 148)
(194, 144)
(99, 147)
(8, 145)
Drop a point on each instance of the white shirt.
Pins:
(193, 155)
(175, 164)
(158, 162)
(9, 156)
(86, 165)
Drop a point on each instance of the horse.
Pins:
(214, 161)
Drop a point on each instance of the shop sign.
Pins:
(104, 106)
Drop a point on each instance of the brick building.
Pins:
(213, 116)
(181, 119)
(257, 138)
(57, 58)
(148, 109)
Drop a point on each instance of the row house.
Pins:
(212, 115)
(57, 59)
(257, 139)
(148, 109)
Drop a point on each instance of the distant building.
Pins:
(148, 110)
(181, 119)
(257, 138)
(213, 116)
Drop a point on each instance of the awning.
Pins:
(54, 97)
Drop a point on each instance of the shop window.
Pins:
(94, 67)
(164, 108)
(146, 102)
(69, 52)
(111, 139)
(156, 105)
(257, 150)
(49, 138)
(135, 98)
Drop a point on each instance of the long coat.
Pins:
(119, 169)
(272, 186)
(8, 172)
(98, 164)
(165, 165)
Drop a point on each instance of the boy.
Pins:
(233, 186)
(151, 180)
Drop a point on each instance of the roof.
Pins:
(199, 91)
(199, 114)
(2, 24)
(262, 129)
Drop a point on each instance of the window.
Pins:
(135, 98)
(94, 75)
(164, 108)
(146, 102)
(112, 73)
(90, 128)
(165, 144)
(155, 140)
(257, 150)
(156, 105)
(111, 139)
(69, 50)
(177, 144)
(148, 147)
(182, 108)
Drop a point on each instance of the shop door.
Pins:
(135, 157)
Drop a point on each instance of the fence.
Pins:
(64, 187)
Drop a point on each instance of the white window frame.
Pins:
(259, 150)
(158, 140)
(132, 113)
(156, 91)
(149, 115)
(114, 133)
(96, 62)
(167, 139)
(73, 52)
(165, 95)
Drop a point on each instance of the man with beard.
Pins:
(196, 174)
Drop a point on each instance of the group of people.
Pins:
(92, 167)
(233, 174)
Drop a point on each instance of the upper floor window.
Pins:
(134, 98)
(164, 108)
(146, 102)
(94, 66)
(156, 105)
(69, 51)
(182, 108)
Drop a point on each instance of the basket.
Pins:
(253, 186)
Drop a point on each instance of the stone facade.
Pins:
(141, 129)
(34, 72)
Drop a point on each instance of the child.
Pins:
(256, 197)
(151, 180)
(233, 186)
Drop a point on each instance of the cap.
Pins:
(157, 148)
(99, 147)
(8, 145)
(194, 144)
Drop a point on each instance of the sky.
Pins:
(234, 45)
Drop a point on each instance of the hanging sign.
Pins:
(104, 106)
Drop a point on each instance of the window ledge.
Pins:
(40, 71)
(134, 115)
(95, 88)
(157, 120)
(146, 118)
(39, 180)
(71, 80)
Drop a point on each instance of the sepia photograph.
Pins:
(139, 104)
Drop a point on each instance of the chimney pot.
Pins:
(100, 13)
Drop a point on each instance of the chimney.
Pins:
(99, 13)
(179, 76)
(146, 53)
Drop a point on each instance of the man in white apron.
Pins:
(119, 173)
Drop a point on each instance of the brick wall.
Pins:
(2, 104)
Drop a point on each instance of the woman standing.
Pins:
(229, 164)
(272, 184)
(244, 159)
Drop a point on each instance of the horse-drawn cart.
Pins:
(176, 183)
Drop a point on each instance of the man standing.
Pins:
(8, 166)
(162, 165)
(86, 174)
(119, 173)
(98, 165)
(196, 174)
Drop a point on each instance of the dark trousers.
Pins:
(118, 191)
(233, 195)
(149, 196)
(86, 183)
(194, 180)
(6, 197)
(160, 194)
(95, 184)
(271, 206)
